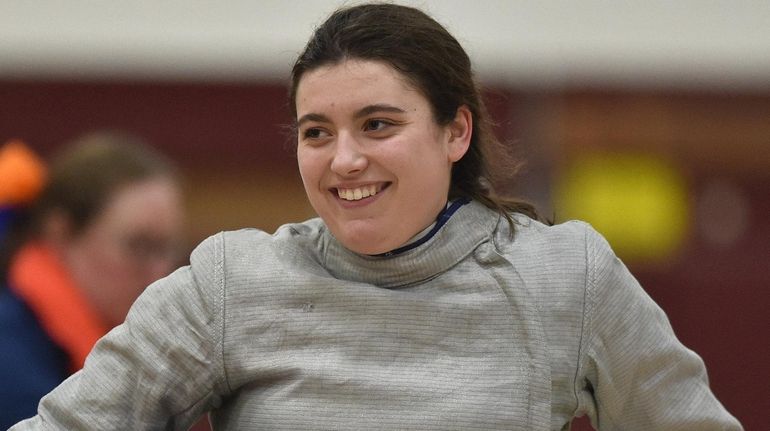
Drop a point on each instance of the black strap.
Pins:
(441, 220)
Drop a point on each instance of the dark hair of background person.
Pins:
(82, 178)
(436, 64)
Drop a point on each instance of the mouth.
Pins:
(358, 193)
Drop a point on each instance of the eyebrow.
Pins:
(312, 117)
(371, 109)
(363, 112)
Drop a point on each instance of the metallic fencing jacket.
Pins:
(479, 328)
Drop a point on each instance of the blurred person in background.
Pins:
(419, 299)
(80, 241)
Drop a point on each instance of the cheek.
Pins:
(99, 272)
(108, 264)
(100, 256)
(310, 170)
(422, 162)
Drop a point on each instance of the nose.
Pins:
(349, 158)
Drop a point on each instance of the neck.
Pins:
(441, 219)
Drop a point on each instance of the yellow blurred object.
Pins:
(22, 174)
(638, 202)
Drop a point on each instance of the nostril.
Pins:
(349, 164)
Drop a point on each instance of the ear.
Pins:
(56, 229)
(460, 131)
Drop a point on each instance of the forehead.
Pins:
(353, 82)
(151, 202)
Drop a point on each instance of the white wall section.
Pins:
(682, 43)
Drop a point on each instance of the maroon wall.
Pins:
(716, 298)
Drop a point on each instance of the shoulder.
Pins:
(571, 254)
(20, 330)
(254, 250)
(252, 240)
(32, 363)
(536, 240)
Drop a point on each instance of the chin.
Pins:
(365, 242)
(368, 236)
(365, 248)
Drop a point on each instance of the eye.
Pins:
(144, 247)
(314, 133)
(376, 124)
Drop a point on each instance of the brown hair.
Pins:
(436, 64)
(81, 180)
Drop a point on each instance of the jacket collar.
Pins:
(471, 225)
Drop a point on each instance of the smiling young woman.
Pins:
(418, 300)
(365, 130)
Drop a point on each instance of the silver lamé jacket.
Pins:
(477, 329)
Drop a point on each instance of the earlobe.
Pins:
(56, 229)
(460, 132)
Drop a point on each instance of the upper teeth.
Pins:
(357, 193)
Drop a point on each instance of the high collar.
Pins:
(470, 226)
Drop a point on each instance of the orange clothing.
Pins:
(38, 277)
(22, 174)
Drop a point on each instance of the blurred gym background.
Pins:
(649, 119)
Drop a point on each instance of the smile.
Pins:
(358, 193)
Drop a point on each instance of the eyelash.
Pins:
(308, 134)
(383, 123)
(318, 132)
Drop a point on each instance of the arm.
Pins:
(161, 369)
(637, 375)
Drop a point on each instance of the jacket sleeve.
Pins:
(161, 369)
(637, 375)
